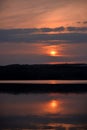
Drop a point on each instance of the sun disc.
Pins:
(53, 53)
(53, 104)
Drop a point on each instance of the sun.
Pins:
(54, 103)
(53, 53)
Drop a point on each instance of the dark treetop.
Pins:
(58, 71)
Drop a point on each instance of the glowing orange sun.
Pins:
(54, 103)
(53, 53)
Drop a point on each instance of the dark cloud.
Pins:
(18, 31)
(85, 22)
(82, 22)
(30, 35)
(78, 22)
(82, 29)
(30, 30)
(59, 29)
(46, 29)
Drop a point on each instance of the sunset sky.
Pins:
(43, 31)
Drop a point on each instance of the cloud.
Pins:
(30, 35)
(59, 29)
(85, 22)
(27, 13)
(78, 22)
(46, 29)
(82, 29)
(82, 22)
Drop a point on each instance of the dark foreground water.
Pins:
(49, 111)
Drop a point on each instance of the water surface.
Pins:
(45, 81)
(53, 111)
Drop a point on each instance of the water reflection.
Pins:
(52, 107)
(43, 111)
(44, 81)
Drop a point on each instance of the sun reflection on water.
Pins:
(52, 106)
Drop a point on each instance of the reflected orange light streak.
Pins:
(52, 106)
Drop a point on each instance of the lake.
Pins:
(49, 111)
(45, 81)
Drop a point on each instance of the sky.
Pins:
(43, 31)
